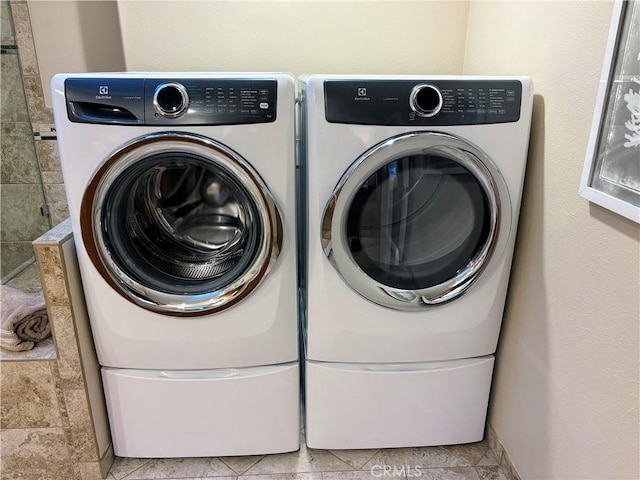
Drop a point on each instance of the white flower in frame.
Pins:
(633, 105)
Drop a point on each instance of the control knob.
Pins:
(425, 100)
(171, 100)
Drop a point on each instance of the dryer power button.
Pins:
(171, 100)
(425, 100)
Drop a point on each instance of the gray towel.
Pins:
(24, 319)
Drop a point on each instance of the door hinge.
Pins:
(44, 210)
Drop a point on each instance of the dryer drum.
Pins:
(180, 224)
(416, 219)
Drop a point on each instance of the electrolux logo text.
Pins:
(394, 471)
(103, 93)
(362, 95)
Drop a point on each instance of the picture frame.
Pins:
(611, 174)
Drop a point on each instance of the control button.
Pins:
(264, 105)
(232, 110)
(219, 110)
(170, 100)
(264, 92)
(425, 100)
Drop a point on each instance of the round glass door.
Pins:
(416, 219)
(180, 224)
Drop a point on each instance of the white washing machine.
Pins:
(181, 190)
(414, 188)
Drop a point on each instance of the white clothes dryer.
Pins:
(414, 186)
(181, 191)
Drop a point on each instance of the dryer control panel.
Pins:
(422, 103)
(197, 101)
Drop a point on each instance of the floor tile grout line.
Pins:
(340, 460)
(372, 456)
(245, 470)
(148, 460)
(484, 455)
(357, 468)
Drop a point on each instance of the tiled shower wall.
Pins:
(22, 194)
(31, 173)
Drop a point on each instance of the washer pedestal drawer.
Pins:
(203, 413)
(358, 406)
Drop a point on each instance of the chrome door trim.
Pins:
(333, 226)
(162, 302)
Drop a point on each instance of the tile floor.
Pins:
(459, 462)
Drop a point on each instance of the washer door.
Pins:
(416, 219)
(180, 224)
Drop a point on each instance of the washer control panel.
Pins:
(418, 103)
(199, 101)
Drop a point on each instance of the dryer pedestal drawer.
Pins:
(203, 413)
(357, 406)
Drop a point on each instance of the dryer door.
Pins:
(180, 224)
(416, 219)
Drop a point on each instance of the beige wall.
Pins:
(75, 36)
(565, 399)
(295, 36)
